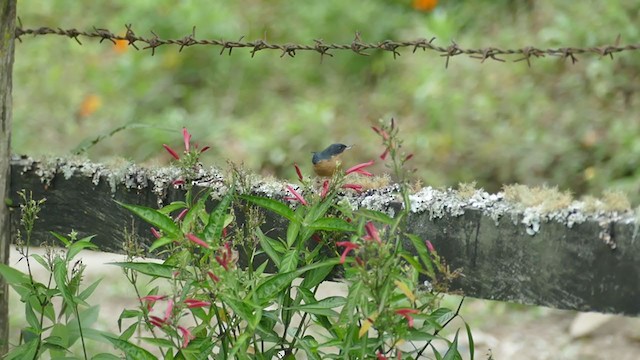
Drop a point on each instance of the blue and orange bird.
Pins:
(327, 161)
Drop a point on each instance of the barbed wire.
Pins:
(357, 46)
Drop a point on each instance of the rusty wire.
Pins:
(357, 46)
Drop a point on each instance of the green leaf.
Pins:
(271, 286)
(31, 317)
(148, 268)
(28, 350)
(128, 332)
(376, 216)
(105, 356)
(322, 307)
(169, 208)
(128, 314)
(158, 243)
(60, 237)
(292, 232)
(40, 260)
(423, 253)
(471, 343)
(84, 295)
(13, 276)
(316, 276)
(332, 224)
(310, 347)
(289, 261)
(452, 353)
(194, 213)
(270, 247)
(132, 351)
(214, 227)
(158, 342)
(154, 217)
(273, 205)
(60, 277)
(80, 245)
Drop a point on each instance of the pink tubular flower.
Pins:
(325, 189)
(197, 240)
(297, 195)
(226, 256)
(379, 356)
(205, 149)
(156, 321)
(372, 232)
(182, 214)
(407, 314)
(171, 151)
(356, 187)
(359, 169)
(168, 310)
(213, 276)
(348, 246)
(156, 233)
(408, 157)
(151, 299)
(384, 154)
(194, 303)
(187, 139)
(300, 177)
(186, 336)
(178, 182)
(430, 246)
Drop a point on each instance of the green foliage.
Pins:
(211, 306)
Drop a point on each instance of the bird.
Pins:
(326, 162)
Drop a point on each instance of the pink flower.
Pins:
(379, 356)
(156, 233)
(197, 240)
(182, 214)
(408, 157)
(356, 187)
(359, 169)
(407, 314)
(325, 189)
(372, 232)
(381, 132)
(168, 310)
(151, 299)
(300, 177)
(156, 321)
(213, 276)
(297, 196)
(430, 246)
(187, 139)
(186, 336)
(348, 246)
(194, 303)
(178, 182)
(205, 149)
(384, 154)
(226, 256)
(171, 151)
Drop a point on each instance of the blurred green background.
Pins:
(574, 126)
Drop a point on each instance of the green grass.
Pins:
(574, 126)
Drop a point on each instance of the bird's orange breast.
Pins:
(327, 167)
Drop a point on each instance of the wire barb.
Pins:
(357, 45)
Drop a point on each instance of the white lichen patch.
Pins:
(528, 207)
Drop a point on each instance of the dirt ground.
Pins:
(500, 330)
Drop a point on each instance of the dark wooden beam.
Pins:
(566, 255)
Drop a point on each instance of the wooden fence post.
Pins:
(7, 38)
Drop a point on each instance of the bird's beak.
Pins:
(349, 147)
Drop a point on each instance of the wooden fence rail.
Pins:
(569, 257)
